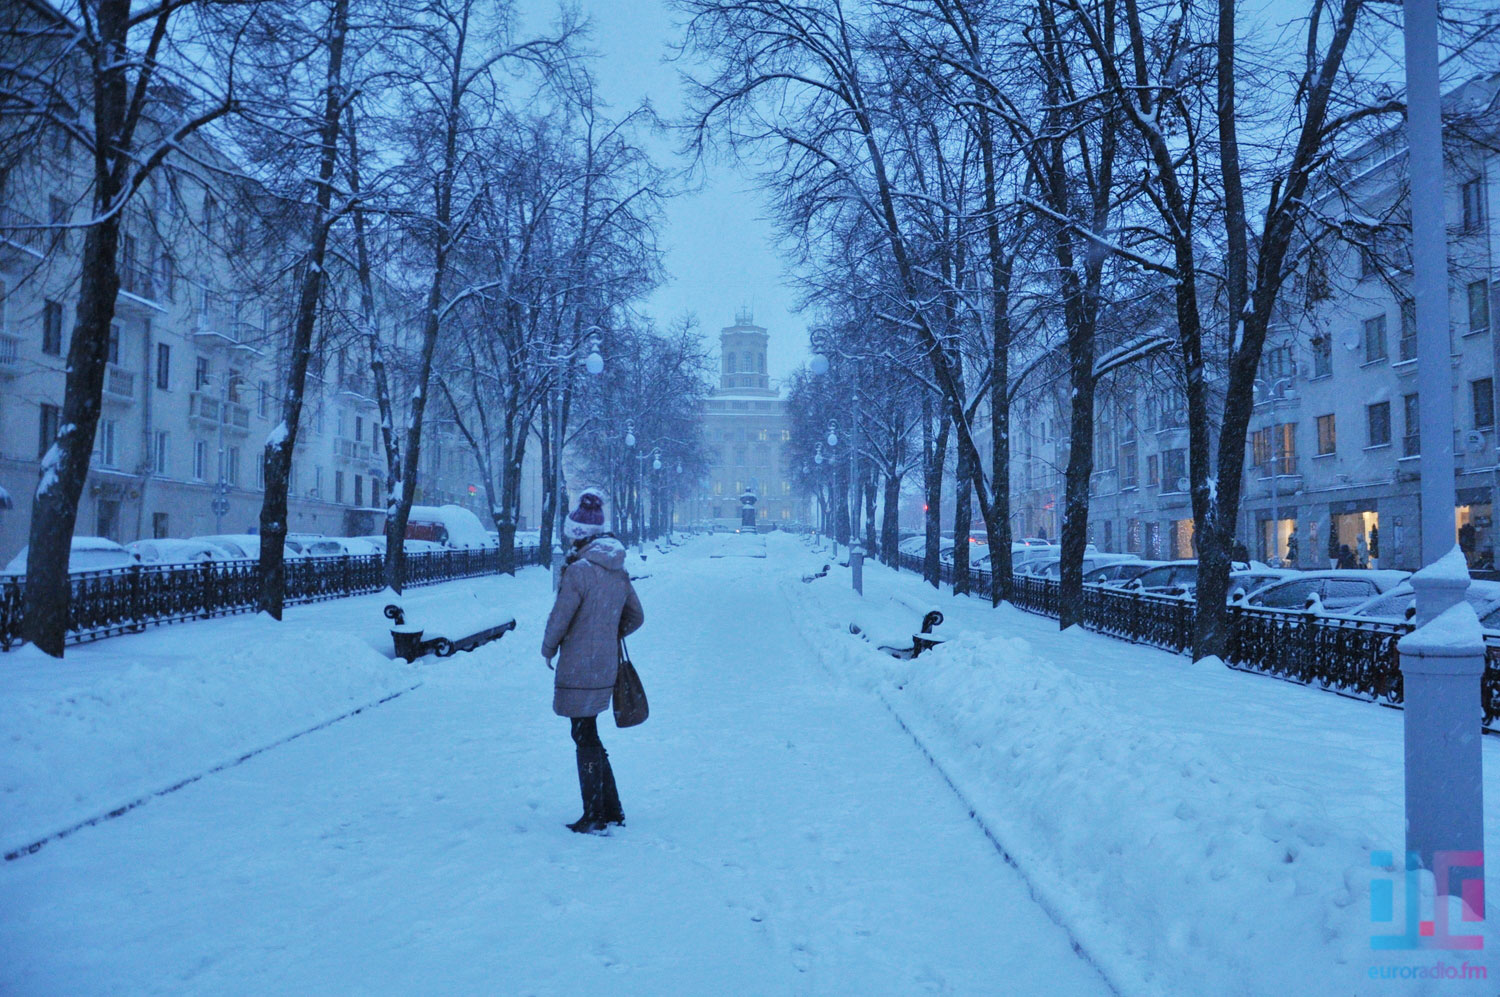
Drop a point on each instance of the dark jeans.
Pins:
(596, 780)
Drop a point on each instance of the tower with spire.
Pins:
(742, 357)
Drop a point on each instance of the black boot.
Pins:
(611, 811)
(591, 786)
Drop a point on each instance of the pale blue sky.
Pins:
(720, 252)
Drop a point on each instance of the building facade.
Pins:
(194, 381)
(745, 427)
(1332, 459)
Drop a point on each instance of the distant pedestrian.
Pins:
(596, 606)
(1346, 557)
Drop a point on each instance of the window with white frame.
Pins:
(200, 460)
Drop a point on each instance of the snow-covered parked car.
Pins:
(1052, 567)
(85, 554)
(171, 551)
(448, 525)
(244, 546)
(1118, 573)
(1335, 591)
(1400, 603)
(338, 546)
(1179, 578)
(1243, 584)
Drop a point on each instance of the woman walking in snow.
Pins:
(596, 606)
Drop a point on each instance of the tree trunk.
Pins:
(932, 567)
(963, 514)
(890, 526)
(276, 458)
(65, 466)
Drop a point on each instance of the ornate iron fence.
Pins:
(127, 600)
(1355, 658)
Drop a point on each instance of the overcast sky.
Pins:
(720, 252)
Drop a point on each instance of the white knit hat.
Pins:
(587, 518)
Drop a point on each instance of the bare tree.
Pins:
(129, 87)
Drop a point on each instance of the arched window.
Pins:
(730, 361)
(760, 363)
(749, 363)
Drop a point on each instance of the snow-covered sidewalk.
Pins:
(785, 836)
(1201, 830)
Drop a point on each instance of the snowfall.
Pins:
(240, 806)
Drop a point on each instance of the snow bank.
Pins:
(125, 717)
(1178, 870)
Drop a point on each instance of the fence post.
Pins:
(1442, 665)
(137, 623)
(857, 567)
(557, 565)
(206, 586)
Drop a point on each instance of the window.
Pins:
(760, 363)
(763, 435)
(1274, 449)
(1151, 476)
(60, 214)
(1367, 262)
(200, 460)
(159, 528)
(1479, 306)
(1327, 435)
(729, 363)
(318, 479)
(1128, 475)
(359, 490)
(739, 456)
(166, 278)
(159, 452)
(1277, 361)
(163, 366)
(51, 417)
(338, 487)
(1482, 394)
(263, 402)
(1378, 417)
(232, 465)
(232, 390)
(1375, 339)
(1411, 443)
(359, 434)
(786, 436)
(201, 374)
(114, 343)
(107, 437)
(210, 213)
(52, 328)
(1174, 471)
(1408, 329)
(1472, 192)
(1322, 356)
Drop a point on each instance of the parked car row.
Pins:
(430, 528)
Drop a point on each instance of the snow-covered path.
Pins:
(784, 836)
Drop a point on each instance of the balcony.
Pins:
(137, 291)
(10, 354)
(351, 450)
(206, 411)
(119, 384)
(22, 238)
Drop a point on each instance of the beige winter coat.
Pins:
(596, 606)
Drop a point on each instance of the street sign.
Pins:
(220, 506)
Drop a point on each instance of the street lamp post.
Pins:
(594, 365)
(1276, 393)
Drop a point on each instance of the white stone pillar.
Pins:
(1442, 663)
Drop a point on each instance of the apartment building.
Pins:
(1334, 446)
(194, 381)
